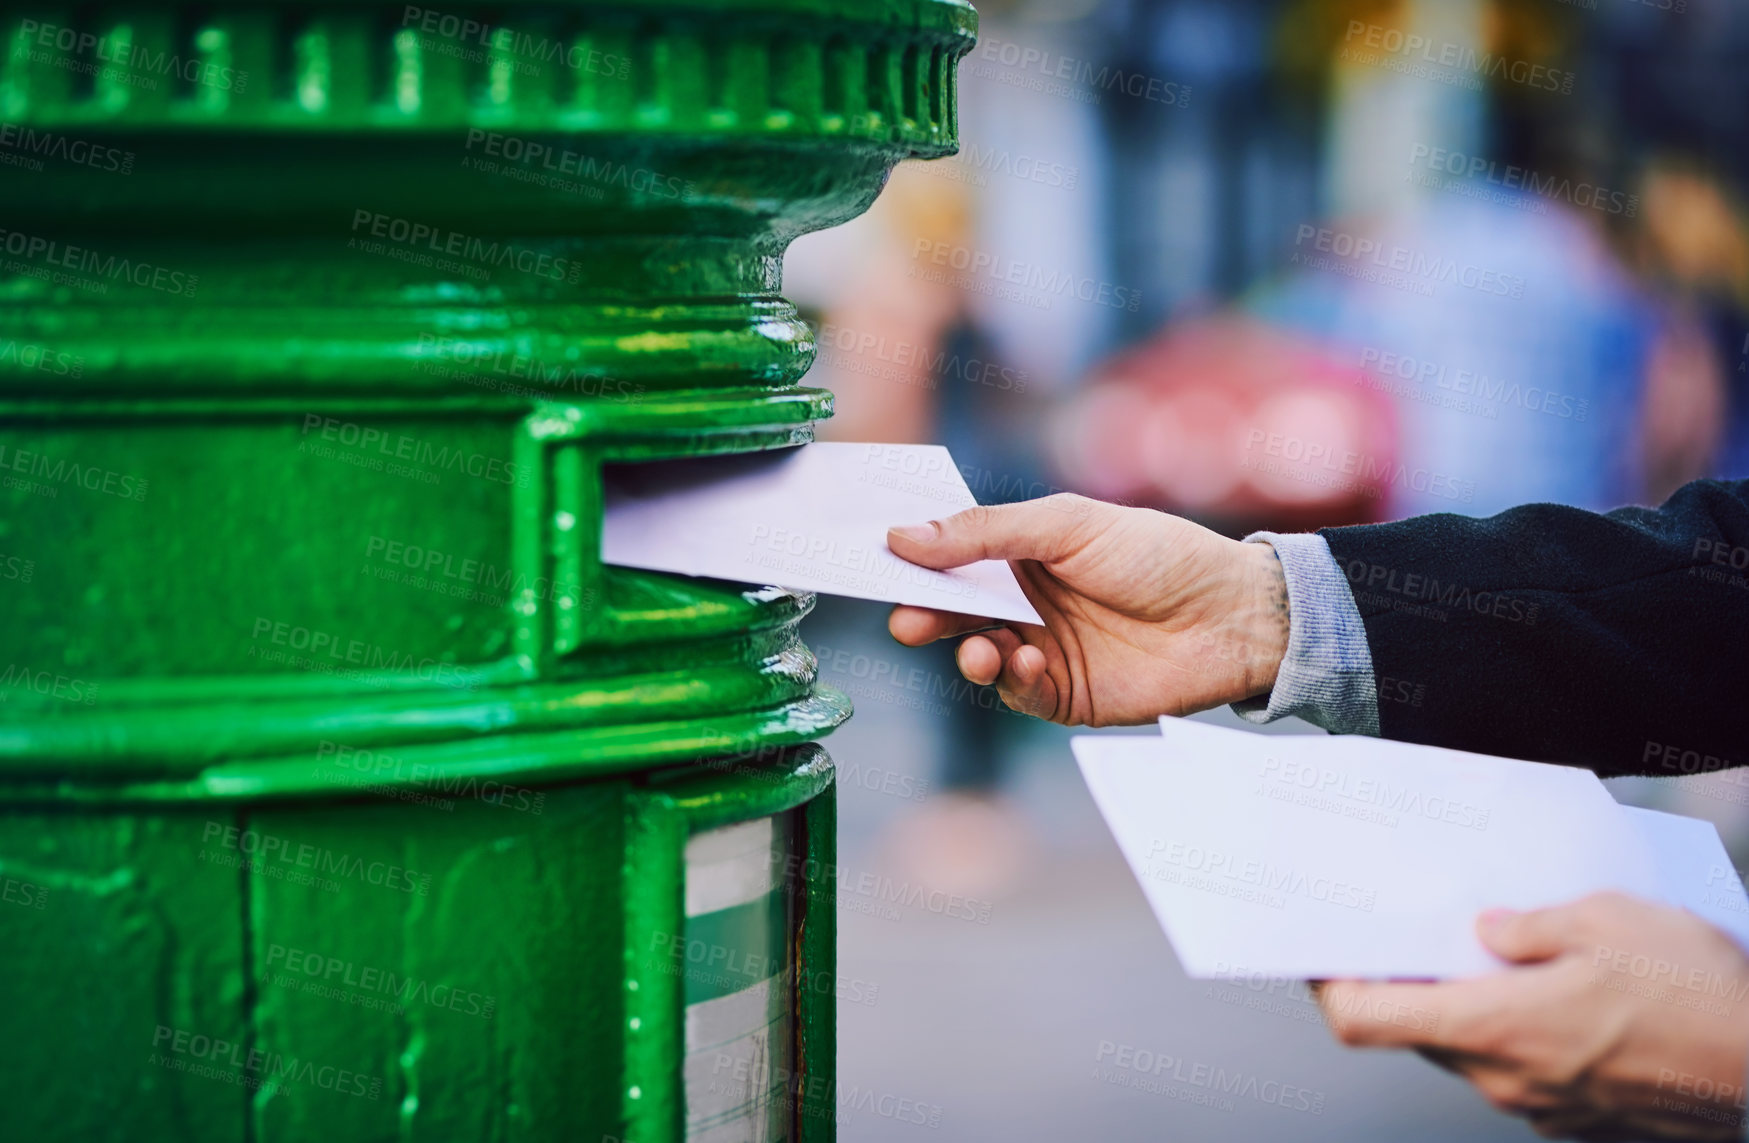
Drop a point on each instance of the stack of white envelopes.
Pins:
(1322, 857)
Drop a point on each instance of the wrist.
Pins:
(1265, 617)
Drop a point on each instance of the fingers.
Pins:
(1367, 1015)
(1047, 529)
(1523, 938)
(982, 658)
(996, 655)
(915, 626)
(1018, 670)
(1026, 684)
(1543, 934)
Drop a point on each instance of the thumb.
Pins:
(1521, 938)
(1045, 529)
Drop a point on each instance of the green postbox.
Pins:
(344, 795)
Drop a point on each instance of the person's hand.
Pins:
(1145, 614)
(1624, 1020)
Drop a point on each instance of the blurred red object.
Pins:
(1230, 419)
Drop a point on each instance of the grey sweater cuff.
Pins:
(1326, 677)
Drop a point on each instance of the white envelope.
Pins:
(812, 518)
(1694, 869)
(1348, 857)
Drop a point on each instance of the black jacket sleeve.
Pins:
(1619, 642)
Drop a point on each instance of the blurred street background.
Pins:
(1267, 264)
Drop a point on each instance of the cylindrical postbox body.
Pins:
(344, 794)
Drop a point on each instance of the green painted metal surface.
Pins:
(343, 793)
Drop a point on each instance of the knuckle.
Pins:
(1070, 502)
(973, 519)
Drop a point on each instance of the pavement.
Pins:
(1046, 1005)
